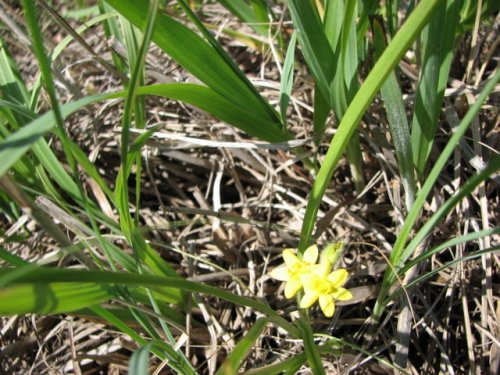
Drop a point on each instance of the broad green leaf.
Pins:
(208, 100)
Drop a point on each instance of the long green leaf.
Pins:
(315, 47)
(217, 105)
(398, 122)
(287, 77)
(201, 59)
(18, 143)
(50, 297)
(437, 40)
(50, 275)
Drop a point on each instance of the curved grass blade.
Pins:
(18, 143)
(210, 101)
(415, 282)
(161, 349)
(254, 15)
(451, 243)
(288, 366)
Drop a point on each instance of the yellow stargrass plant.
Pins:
(318, 280)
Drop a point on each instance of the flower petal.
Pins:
(290, 258)
(280, 273)
(311, 254)
(342, 294)
(310, 281)
(338, 277)
(309, 299)
(327, 304)
(292, 287)
(322, 270)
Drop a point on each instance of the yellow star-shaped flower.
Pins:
(325, 286)
(294, 268)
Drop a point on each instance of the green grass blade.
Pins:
(271, 113)
(139, 362)
(50, 297)
(467, 188)
(399, 245)
(321, 111)
(48, 275)
(340, 29)
(437, 43)
(418, 280)
(310, 348)
(398, 122)
(288, 366)
(235, 359)
(161, 349)
(384, 66)
(12, 259)
(11, 84)
(255, 15)
(287, 77)
(121, 190)
(45, 69)
(210, 101)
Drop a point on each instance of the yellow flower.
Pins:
(294, 268)
(326, 286)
